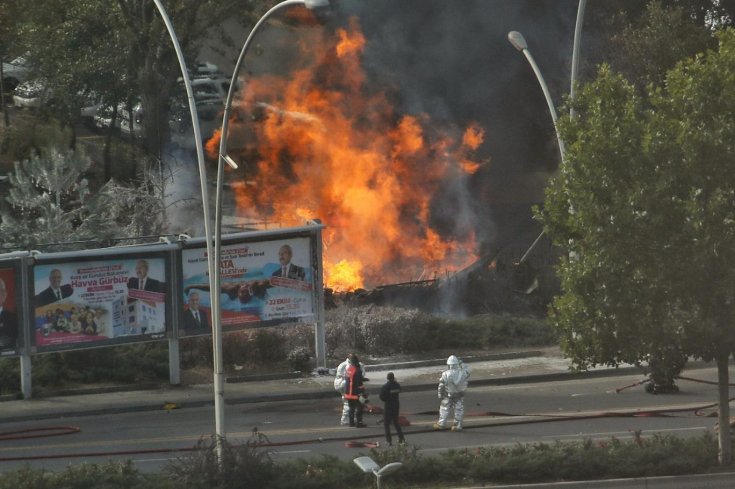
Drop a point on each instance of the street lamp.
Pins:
(519, 42)
(225, 158)
(369, 466)
(211, 262)
(575, 49)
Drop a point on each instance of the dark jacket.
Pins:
(151, 284)
(47, 296)
(354, 382)
(389, 395)
(8, 329)
(191, 323)
(294, 272)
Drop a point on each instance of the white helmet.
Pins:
(452, 360)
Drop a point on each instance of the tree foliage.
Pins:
(52, 205)
(121, 50)
(644, 49)
(643, 40)
(643, 210)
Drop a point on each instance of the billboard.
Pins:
(259, 281)
(91, 302)
(9, 301)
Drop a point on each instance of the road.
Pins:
(496, 416)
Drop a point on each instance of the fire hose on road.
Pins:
(352, 441)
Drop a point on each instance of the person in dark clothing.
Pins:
(354, 389)
(389, 395)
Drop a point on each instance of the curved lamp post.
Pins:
(225, 158)
(211, 261)
(519, 42)
(575, 49)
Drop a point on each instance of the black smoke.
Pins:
(452, 61)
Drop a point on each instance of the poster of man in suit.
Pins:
(8, 313)
(195, 319)
(98, 301)
(55, 291)
(288, 269)
(259, 281)
(142, 281)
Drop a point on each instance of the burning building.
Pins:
(406, 195)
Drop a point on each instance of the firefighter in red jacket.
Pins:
(354, 391)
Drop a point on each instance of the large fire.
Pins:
(326, 145)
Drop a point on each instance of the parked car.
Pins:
(103, 119)
(91, 105)
(34, 94)
(15, 72)
(204, 68)
(206, 87)
(31, 94)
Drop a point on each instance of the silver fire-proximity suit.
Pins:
(452, 386)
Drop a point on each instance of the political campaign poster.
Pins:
(106, 300)
(259, 281)
(9, 322)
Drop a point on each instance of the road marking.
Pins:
(512, 387)
(152, 460)
(629, 432)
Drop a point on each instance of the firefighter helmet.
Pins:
(452, 360)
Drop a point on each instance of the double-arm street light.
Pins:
(225, 158)
(211, 263)
(519, 42)
(214, 239)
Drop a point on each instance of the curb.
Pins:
(442, 361)
(696, 481)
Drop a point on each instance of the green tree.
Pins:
(121, 50)
(52, 205)
(650, 45)
(643, 40)
(10, 12)
(642, 209)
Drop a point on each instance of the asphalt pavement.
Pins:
(493, 369)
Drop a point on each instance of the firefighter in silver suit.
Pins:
(452, 386)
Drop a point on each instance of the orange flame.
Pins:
(321, 144)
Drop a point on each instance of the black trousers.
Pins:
(355, 411)
(388, 418)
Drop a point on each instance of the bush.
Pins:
(127, 363)
(376, 330)
(324, 472)
(299, 359)
(245, 465)
(9, 375)
(111, 475)
(26, 135)
(251, 465)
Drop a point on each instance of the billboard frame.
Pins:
(165, 252)
(312, 231)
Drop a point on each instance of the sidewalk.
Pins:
(494, 369)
